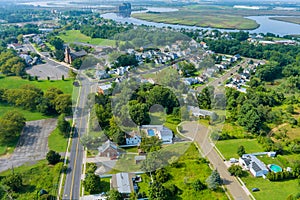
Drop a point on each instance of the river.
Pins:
(266, 24)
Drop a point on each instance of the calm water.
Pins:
(266, 24)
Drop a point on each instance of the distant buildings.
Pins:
(124, 10)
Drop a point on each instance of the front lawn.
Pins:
(229, 147)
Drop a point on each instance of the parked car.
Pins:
(255, 189)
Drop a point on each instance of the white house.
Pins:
(254, 165)
(163, 133)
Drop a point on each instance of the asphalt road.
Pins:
(73, 178)
(200, 134)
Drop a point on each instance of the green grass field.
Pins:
(229, 147)
(15, 82)
(72, 36)
(57, 142)
(189, 170)
(271, 190)
(29, 115)
(36, 177)
(204, 16)
(295, 20)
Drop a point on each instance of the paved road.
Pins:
(200, 134)
(32, 145)
(73, 178)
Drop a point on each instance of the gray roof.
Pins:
(106, 145)
(79, 54)
(122, 182)
(254, 163)
(199, 112)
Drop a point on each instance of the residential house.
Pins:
(133, 138)
(109, 149)
(101, 74)
(27, 58)
(210, 72)
(197, 112)
(15, 46)
(124, 183)
(254, 165)
(190, 81)
(163, 133)
(104, 89)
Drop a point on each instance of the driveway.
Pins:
(32, 145)
(200, 134)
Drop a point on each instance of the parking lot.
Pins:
(32, 145)
(51, 70)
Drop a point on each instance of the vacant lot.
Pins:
(229, 147)
(72, 36)
(36, 177)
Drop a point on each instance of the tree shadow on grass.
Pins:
(27, 189)
(105, 186)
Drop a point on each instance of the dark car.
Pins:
(255, 189)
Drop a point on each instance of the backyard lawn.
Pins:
(229, 147)
(72, 36)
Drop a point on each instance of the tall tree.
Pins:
(214, 180)
(241, 150)
(63, 125)
(92, 183)
(157, 191)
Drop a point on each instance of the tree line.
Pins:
(51, 102)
